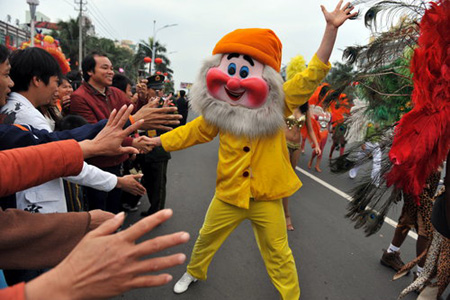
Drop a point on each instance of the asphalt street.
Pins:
(334, 261)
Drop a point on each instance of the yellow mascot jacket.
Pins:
(257, 168)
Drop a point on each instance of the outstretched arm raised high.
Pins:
(334, 20)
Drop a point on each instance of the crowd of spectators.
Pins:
(64, 143)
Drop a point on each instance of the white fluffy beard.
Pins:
(238, 120)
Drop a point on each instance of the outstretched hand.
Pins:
(143, 144)
(108, 141)
(130, 184)
(157, 118)
(334, 20)
(105, 264)
(340, 14)
(168, 101)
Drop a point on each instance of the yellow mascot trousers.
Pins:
(269, 225)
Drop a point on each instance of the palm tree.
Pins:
(68, 36)
(339, 76)
(145, 50)
(103, 45)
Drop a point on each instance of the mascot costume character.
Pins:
(240, 96)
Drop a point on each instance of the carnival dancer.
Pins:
(415, 149)
(312, 102)
(422, 143)
(239, 94)
(340, 110)
(323, 117)
(295, 123)
(294, 128)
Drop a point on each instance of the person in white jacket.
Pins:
(32, 92)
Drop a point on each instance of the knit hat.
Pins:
(261, 44)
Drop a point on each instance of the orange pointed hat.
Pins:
(261, 44)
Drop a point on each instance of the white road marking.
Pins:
(348, 197)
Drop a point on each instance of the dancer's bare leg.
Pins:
(311, 160)
(317, 167)
(333, 146)
(295, 155)
(287, 214)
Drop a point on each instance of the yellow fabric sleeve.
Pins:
(299, 89)
(198, 131)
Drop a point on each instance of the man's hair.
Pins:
(74, 75)
(4, 53)
(121, 81)
(75, 79)
(62, 78)
(71, 122)
(31, 62)
(88, 64)
(182, 93)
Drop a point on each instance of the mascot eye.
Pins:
(232, 69)
(244, 72)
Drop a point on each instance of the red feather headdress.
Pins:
(422, 138)
(51, 45)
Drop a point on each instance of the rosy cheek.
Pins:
(215, 80)
(257, 90)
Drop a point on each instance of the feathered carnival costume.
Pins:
(52, 46)
(422, 139)
(241, 97)
(296, 65)
(421, 142)
(49, 44)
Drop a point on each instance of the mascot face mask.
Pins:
(239, 89)
(238, 81)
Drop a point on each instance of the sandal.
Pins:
(289, 226)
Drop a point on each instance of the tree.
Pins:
(145, 50)
(68, 34)
(120, 57)
(339, 77)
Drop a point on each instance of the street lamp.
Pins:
(32, 4)
(155, 31)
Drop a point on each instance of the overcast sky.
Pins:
(201, 23)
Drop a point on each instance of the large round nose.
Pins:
(233, 84)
